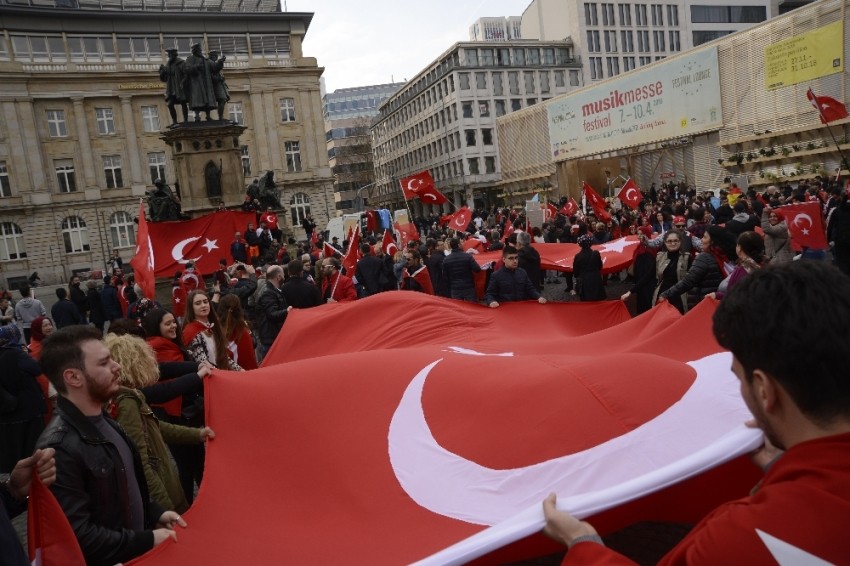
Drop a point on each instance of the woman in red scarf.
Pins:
(240, 340)
(203, 334)
(41, 328)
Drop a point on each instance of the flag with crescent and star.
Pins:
(460, 219)
(829, 109)
(617, 255)
(596, 202)
(203, 240)
(630, 194)
(570, 207)
(144, 262)
(421, 441)
(352, 255)
(388, 245)
(805, 225)
(406, 233)
(421, 186)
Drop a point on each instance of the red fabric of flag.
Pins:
(805, 225)
(406, 232)
(328, 250)
(388, 244)
(143, 260)
(349, 260)
(461, 219)
(596, 202)
(203, 240)
(550, 211)
(570, 208)
(51, 539)
(630, 194)
(423, 277)
(421, 186)
(509, 229)
(829, 109)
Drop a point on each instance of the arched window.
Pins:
(123, 230)
(11, 242)
(75, 234)
(299, 204)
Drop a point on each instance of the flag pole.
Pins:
(844, 162)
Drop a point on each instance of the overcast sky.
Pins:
(370, 42)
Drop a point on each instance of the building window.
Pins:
(471, 57)
(644, 61)
(293, 156)
(473, 165)
(528, 76)
(657, 15)
(643, 41)
(150, 118)
(625, 14)
(75, 234)
(705, 36)
(489, 164)
(596, 68)
(56, 126)
(513, 82)
(487, 57)
(470, 138)
(487, 136)
(534, 57)
(543, 78)
(467, 109)
(123, 230)
(590, 17)
(548, 56)
(246, 161)
(627, 37)
(516, 104)
(503, 56)
(299, 205)
(481, 81)
(236, 113)
(672, 15)
(484, 109)
(658, 38)
(728, 14)
(674, 41)
(500, 108)
(65, 175)
(463, 78)
(593, 41)
(613, 66)
(112, 170)
(105, 121)
(287, 109)
(530, 102)
(560, 79)
(5, 185)
(575, 80)
(628, 63)
(608, 15)
(11, 242)
(156, 162)
(519, 57)
(640, 15)
(497, 84)
(611, 41)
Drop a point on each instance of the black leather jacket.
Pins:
(91, 487)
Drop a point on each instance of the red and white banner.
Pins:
(421, 186)
(143, 260)
(805, 225)
(630, 194)
(617, 255)
(203, 240)
(613, 409)
(829, 109)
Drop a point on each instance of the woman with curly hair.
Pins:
(139, 369)
(203, 334)
(709, 268)
(236, 332)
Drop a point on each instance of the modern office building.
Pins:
(615, 37)
(444, 119)
(496, 29)
(82, 112)
(348, 114)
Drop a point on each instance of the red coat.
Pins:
(344, 291)
(245, 355)
(178, 301)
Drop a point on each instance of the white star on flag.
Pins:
(785, 553)
(210, 245)
(617, 245)
(806, 231)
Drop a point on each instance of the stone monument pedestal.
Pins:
(208, 163)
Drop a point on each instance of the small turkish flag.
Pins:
(596, 202)
(51, 539)
(406, 232)
(328, 250)
(422, 277)
(388, 244)
(570, 208)
(805, 225)
(421, 186)
(143, 260)
(828, 108)
(630, 194)
(550, 211)
(349, 261)
(461, 219)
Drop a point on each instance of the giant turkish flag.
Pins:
(204, 240)
(617, 255)
(416, 446)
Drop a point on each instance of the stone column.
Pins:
(132, 143)
(89, 176)
(260, 134)
(25, 154)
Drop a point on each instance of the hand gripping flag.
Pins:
(50, 538)
(630, 194)
(421, 186)
(829, 109)
(460, 220)
(596, 202)
(805, 225)
(143, 261)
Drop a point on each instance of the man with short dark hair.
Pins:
(78, 297)
(743, 221)
(271, 311)
(299, 292)
(336, 287)
(100, 483)
(794, 381)
(458, 270)
(529, 259)
(27, 310)
(370, 271)
(511, 282)
(64, 312)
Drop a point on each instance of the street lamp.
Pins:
(358, 199)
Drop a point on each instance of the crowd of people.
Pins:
(147, 375)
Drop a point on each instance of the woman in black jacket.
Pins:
(710, 267)
(587, 269)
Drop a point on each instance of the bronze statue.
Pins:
(163, 204)
(267, 192)
(200, 93)
(222, 95)
(172, 74)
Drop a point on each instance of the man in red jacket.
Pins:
(789, 353)
(336, 287)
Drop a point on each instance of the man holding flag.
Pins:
(13, 494)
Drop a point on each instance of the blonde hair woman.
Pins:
(139, 369)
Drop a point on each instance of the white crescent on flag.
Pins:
(410, 186)
(628, 191)
(805, 217)
(177, 251)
